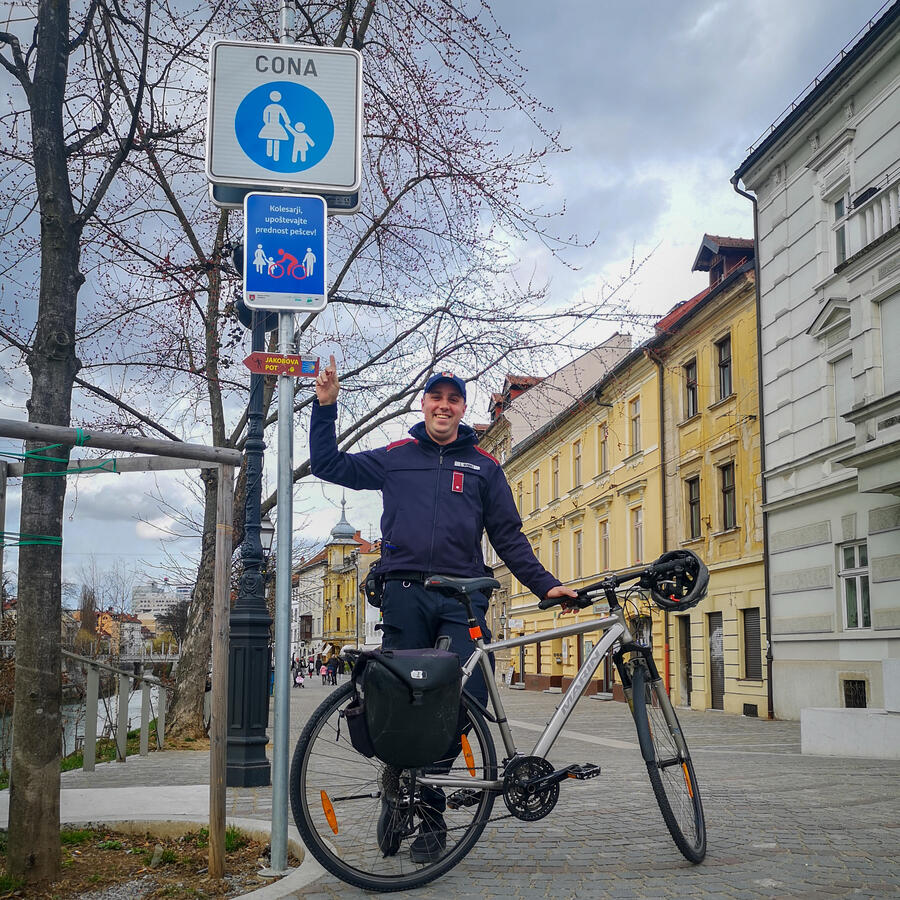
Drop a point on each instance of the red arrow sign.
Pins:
(282, 364)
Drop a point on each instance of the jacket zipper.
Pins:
(437, 497)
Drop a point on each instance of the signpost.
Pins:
(262, 363)
(286, 116)
(282, 117)
(285, 252)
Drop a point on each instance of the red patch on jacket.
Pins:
(488, 455)
(457, 484)
(400, 443)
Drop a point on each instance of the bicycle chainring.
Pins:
(525, 802)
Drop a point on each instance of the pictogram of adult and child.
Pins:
(277, 127)
(286, 263)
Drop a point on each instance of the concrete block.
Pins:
(866, 733)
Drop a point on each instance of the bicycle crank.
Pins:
(530, 790)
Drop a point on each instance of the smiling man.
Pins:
(441, 493)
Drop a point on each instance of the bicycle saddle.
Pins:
(465, 586)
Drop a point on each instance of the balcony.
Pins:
(875, 214)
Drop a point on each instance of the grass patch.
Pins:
(8, 884)
(110, 845)
(235, 839)
(73, 837)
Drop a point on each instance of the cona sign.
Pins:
(285, 117)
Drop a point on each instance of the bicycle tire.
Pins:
(669, 764)
(329, 779)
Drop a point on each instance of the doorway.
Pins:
(716, 662)
(685, 681)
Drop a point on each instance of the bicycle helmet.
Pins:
(677, 580)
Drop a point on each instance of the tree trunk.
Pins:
(34, 849)
(186, 718)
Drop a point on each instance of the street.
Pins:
(780, 824)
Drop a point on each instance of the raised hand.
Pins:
(327, 384)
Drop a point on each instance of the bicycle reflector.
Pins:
(677, 580)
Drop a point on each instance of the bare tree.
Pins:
(82, 78)
(175, 620)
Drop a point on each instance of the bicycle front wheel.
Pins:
(668, 764)
(338, 797)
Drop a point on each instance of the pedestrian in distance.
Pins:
(441, 493)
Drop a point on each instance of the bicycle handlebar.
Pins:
(676, 581)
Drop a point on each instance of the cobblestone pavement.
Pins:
(780, 824)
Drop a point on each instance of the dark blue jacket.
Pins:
(438, 501)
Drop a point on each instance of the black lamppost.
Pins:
(248, 654)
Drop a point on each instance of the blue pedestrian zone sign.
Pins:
(285, 252)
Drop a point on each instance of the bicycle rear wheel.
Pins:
(668, 764)
(336, 798)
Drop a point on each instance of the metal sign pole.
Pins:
(281, 746)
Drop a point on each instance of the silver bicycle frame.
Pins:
(616, 629)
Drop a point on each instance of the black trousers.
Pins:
(414, 618)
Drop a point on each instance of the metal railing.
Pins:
(122, 721)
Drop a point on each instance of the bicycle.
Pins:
(337, 795)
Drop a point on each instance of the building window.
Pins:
(854, 575)
(691, 407)
(536, 489)
(723, 355)
(840, 208)
(519, 493)
(555, 556)
(692, 486)
(841, 373)
(726, 483)
(576, 464)
(603, 445)
(637, 534)
(634, 417)
(576, 552)
(554, 476)
(854, 693)
(752, 644)
(604, 545)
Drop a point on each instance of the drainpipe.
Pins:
(762, 444)
(654, 357)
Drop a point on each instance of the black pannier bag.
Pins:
(406, 707)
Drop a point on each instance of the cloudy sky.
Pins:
(658, 103)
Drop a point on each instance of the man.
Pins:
(441, 493)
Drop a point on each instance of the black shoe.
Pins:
(432, 840)
(387, 831)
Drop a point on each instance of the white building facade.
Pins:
(307, 605)
(827, 186)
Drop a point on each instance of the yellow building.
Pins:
(608, 482)
(587, 485)
(713, 482)
(348, 557)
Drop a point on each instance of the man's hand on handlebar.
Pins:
(562, 591)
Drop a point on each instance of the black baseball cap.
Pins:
(455, 380)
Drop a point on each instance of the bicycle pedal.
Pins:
(464, 797)
(588, 770)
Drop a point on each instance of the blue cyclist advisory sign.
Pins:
(285, 252)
